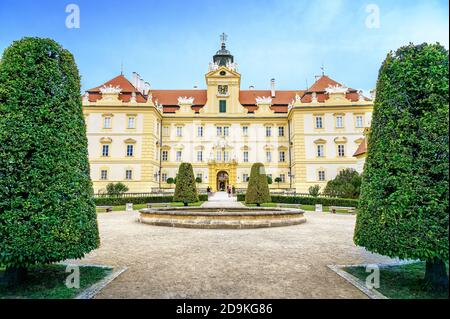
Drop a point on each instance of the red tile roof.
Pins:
(322, 83)
(169, 98)
(124, 84)
(362, 149)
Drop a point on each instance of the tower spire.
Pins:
(223, 39)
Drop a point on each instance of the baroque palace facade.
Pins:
(139, 136)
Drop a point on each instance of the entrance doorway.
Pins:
(222, 181)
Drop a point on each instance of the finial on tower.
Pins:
(223, 39)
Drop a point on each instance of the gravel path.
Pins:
(287, 262)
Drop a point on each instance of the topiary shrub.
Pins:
(404, 195)
(47, 211)
(186, 190)
(347, 184)
(258, 188)
(116, 189)
(314, 190)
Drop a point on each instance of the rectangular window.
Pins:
(339, 122)
(219, 131)
(268, 157)
(319, 122)
(225, 156)
(283, 178)
(128, 174)
(359, 121)
(281, 131)
(158, 127)
(107, 122)
(104, 174)
(105, 150)
(130, 150)
(164, 177)
(200, 156)
(131, 122)
(341, 150)
(200, 131)
(223, 106)
(245, 157)
(165, 156)
(245, 178)
(321, 176)
(165, 131)
(245, 130)
(282, 156)
(200, 175)
(320, 151)
(219, 155)
(268, 131)
(179, 156)
(179, 131)
(226, 131)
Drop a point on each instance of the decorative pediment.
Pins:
(245, 148)
(222, 71)
(185, 100)
(264, 100)
(130, 141)
(200, 148)
(282, 148)
(336, 89)
(340, 140)
(320, 141)
(268, 147)
(110, 89)
(106, 140)
(178, 146)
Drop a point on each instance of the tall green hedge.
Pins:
(306, 200)
(47, 211)
(117, 201)
(404, 195)
(258, 188)
(186, 189)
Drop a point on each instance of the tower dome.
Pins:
(223, 57)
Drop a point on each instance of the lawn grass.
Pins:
(400, 282)
(49, 282)
(122, 208)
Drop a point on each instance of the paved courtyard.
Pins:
(288, 262)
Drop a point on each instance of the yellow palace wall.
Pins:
(156, 132)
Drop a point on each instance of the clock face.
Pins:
(223, 89)
(223, 73)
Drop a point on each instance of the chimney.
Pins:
(134, 79)
(141, 85)
(272, 87)
(146, 88)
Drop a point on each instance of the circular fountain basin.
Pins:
(222, 218)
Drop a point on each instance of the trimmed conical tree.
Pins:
(258, 187)
(404, 194)
(47, 211)
(185, 190)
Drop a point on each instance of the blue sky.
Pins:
(170, 43)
